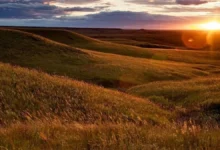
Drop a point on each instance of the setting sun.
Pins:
(214, 25)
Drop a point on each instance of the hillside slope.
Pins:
(81, 41)
(39, 111)
(115, 71)
(44, 111)
(197, 94)
(26, 94)
(77, 40)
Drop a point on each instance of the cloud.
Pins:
(170, 2)
(43, 1)
(191, 2)
(153, 2)
(176, 8)
(104, 14)
(117, 19)
(128, 19)
(36, 9)
(76, 1)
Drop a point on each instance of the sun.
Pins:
(214, 25)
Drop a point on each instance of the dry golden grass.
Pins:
(77, 40)
(55, 135)
(109, 70)
(194, 92)
(29, 95)
(41, 111)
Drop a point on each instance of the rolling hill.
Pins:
(178, 39)
(34, 104)
(196, 95)
(39, 111)
(80, 41)
(44, 106)
(27, 94)
(109, 70)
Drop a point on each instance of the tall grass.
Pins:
(77, 40)
(109, 70)
(55, 135)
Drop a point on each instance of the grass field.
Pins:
(155, 38)
(40, 111)
(63, 90)
(77, 40)
(194, 93)
(198, 97)
(109, 70)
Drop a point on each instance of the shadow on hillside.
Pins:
(112, 83)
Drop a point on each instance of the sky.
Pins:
(129, 14)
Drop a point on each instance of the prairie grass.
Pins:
(108, 70)
(29, 95)
(47, 111)
(197, 99)
(80, 41)
(194, 92)
(39, 111)
(55, 135)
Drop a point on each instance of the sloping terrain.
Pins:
(80, 41)
(194, 93)
(115, 71)
(178, 39)
(55, 111)
(27, 94)
(199, 97)
(39, 111)
(141, 38)
(35, 104)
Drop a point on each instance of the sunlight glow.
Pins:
(214, 25)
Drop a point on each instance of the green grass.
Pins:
(109, 70)
(77, 40)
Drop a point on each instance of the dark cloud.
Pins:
(43, 1)
(116, 19)
(191, 2)
(76, 1)
(36, 9)
(128, 19)
(41, 13)
(18, 10)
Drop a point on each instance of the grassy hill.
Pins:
(195, 92)
(141, 38)
(35, 104)
(198, 96)
(27, 94)
(155, 38)
(81, 41)
(39, 111)
(109, 70)
(47, 111)
(77, 40)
